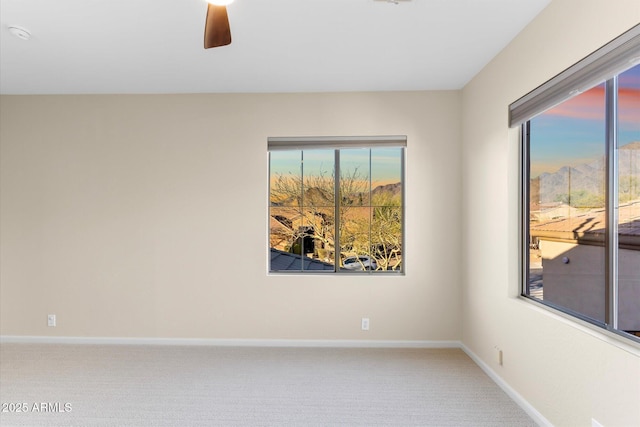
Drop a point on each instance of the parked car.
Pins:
(362, 262)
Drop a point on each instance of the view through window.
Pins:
(569, 185)
(354, 224)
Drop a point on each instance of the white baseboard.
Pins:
(517, 397)
(228, 342)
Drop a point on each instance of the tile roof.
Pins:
(591, 225)
(285, 261)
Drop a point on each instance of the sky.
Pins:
(383, 167)
(573, 132)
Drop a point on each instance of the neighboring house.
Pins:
(572, 251)
(279, 235)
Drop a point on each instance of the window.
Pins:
(320, 224)
(581, 188)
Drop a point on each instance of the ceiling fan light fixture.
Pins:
(220, 2)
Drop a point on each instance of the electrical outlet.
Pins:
(51, 320)
(595, 423)
(365, 323)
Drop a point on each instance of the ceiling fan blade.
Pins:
(216, 30)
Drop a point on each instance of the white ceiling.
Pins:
(156, 46)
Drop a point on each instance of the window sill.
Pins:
(623, 343)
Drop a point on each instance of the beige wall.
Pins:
(146, 216)
(566, 371)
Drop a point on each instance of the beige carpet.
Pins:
(247, 386)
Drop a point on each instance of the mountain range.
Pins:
(585, 179)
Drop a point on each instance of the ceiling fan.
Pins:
(216, 30)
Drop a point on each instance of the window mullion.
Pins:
(370, 198)
(301, 232)
(525, 214)
(336, 202)
(611, 193)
